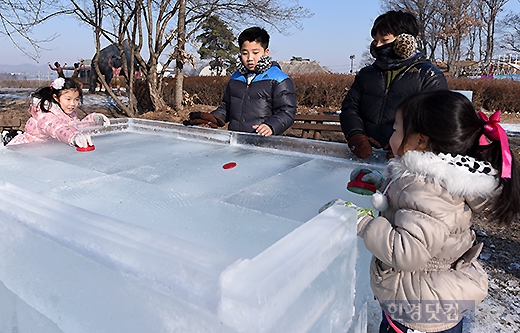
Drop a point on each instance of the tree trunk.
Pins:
(489, 41)
(180, 58)
(155, 88)
(132, 101)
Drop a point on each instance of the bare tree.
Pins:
(511, 35)
(180, 57)
(455, 20)
(426, 12)
(116, 23)
(473, 38)
(152, 23)
(489, 10)
(18, 18)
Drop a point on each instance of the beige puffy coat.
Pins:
(424, 271)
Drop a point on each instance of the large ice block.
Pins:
(149, 233)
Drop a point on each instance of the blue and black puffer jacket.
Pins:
(267, 99)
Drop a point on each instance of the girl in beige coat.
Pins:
(450, 162)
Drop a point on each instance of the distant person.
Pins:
(116, 78)
(58, 68)
(259, 96)
(78, 67)
(450, 162)
(83, 68)
(138, 74)
(53, 116)
(400, 69)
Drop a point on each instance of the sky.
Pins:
(338, 29)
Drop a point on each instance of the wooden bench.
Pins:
(9, 124)
(316, 123)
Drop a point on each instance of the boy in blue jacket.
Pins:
(259, 97)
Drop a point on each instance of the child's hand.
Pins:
(362, 213)
(204, 119)
(263, 129)
(82, 140)
(360, 145)
(373, 177)
(101, 119)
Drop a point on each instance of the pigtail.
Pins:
(506, 207)
(44, 94)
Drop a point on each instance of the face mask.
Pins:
(383, 52)
(402, 47)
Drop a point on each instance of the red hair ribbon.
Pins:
(493, 131)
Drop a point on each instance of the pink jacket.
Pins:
(54, 124)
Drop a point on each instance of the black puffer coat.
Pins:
(369, 107)
(268, 99)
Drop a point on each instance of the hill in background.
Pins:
(29, 71)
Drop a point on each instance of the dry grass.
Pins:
(12, 83)
(324, 91)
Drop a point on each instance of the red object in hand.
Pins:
(360, 187)
(88, 148)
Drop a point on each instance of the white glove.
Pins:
(101, 119)
(373, 177)
(82, 140)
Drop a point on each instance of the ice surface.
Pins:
(149, 233)
(257, 293)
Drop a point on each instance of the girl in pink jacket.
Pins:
(53, 116)
(450, 162)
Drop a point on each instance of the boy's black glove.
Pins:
(204, 119)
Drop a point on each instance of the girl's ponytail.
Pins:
(450, 122)
(44, 94)
(494, 148)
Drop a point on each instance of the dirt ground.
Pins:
(501, 243)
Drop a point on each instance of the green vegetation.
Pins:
(217, 45)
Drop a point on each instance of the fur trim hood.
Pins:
(462, 176)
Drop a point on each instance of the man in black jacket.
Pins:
(368, 111)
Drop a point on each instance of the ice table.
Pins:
(149, 233)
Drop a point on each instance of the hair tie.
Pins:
(493, 131)
(58, 83)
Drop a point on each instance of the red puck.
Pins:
(88, 148)
(229, 165)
